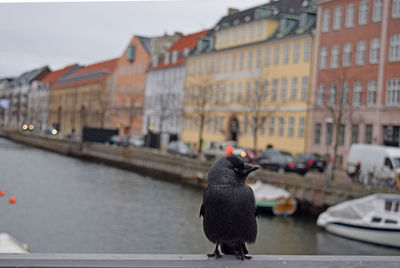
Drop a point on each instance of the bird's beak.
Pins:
(250, 168)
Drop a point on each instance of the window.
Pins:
(262, 125)
(276, 55)
(221, 124)
(233, 66)
(393, 92)
(396, 9)
(271, 126)
(283, 88)
(241, 61)
(371, 93)
(354, 134)
(250, 60)
(307, 51)
(345, 94)
(274, 89)
(216, 94)
(226, 64)
(239, 92)
(377, 10)
(248, 91)
(320, 95)
(253, 125)
(281, 127)
(260, 29)
(291, 126)
(296, 52)
(323, 57)
(293, 91)
(335, 56)
(374, 51)
(223, 97)
(219, 64)
(368, 134)
(252, 31)
(256, 94)
(210, 94)
(325, 20)
(332, 95)
(258, 59)
(243, 34)
(302, 123)
(267, 56)
(337, 18)
(304, 88)
(265, 90)
(245, 123)
(215, 124)
(232, 93)
(286, 49)
(360, 52)
(350, 9)
(347, 51)
(317, 134)
(341, 134)
(357, 95)
(363, 12)
(329, 131)
(394, 50)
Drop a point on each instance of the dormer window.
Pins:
(186, 52)
(174, 56)
(155, 61)
(247, 19)
(236, 22)
(131, 53)
(166, 58)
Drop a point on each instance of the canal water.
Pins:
(66, 205)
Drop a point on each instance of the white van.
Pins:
(381, 162)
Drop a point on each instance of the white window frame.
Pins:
(345, 94)
(291, 124)
(283, 88)
(277, 55)
(267, 56)
(394, 50)
(374, 50)
(396, 9)
(258, 58)
(393, 92)
(337, 18)
(296, 52)
(274, 89)
(286, 51)
(326, 16)
(332, 95)
(371, 93)
(281, 126)
(323, 56)
(363, 12)
(302, 123)
(293, 89)
(350, 11)
(347, 54)
(271, 126)
(304, 88)
(377, 10)
(250, 60)
(357, 94)
(320, 95)
(335, 51)
(307, 51)
(360, 52)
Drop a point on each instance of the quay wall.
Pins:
(313, 194)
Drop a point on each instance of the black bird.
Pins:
(229, 208)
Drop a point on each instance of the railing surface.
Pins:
(166, 260)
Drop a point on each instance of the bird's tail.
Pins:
(234, 248)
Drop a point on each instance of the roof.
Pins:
(54, 76)
(188, 41)
(29, 76)
(88, 74)
(146, 42)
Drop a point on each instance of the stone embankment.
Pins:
(314, 194)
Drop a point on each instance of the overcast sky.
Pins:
(59, 34)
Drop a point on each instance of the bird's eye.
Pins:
(236, 169)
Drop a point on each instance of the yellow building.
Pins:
(82, 98)
(250, 75)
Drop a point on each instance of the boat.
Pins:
(9, 244)
(274, 199)
(373, 218)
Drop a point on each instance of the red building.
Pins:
(356, 78)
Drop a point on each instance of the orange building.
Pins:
(128, 97)
(82, 98)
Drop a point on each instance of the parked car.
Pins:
(215, 150)
(118, 140)
(302, 163)
(275, 160)
(181, 148)
(136, 141)
(375, 161)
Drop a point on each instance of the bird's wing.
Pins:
(202, 208)
(255, 213)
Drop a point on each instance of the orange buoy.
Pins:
(2, 193)
(229, 150)
(12, 200)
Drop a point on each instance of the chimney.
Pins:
(232, 11)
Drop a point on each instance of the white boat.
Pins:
(8, 244)
(275, 199)
(374, 219)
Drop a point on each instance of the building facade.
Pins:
(4, 101)
(249, 78)
(356, 89)
(128, 97)
(165, 82)
(82, 98)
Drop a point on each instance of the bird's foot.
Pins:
(243, 257)
(216, 254)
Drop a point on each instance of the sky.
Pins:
(58, 34)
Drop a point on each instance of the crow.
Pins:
(229, 208)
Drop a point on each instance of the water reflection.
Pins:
(72, 206)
